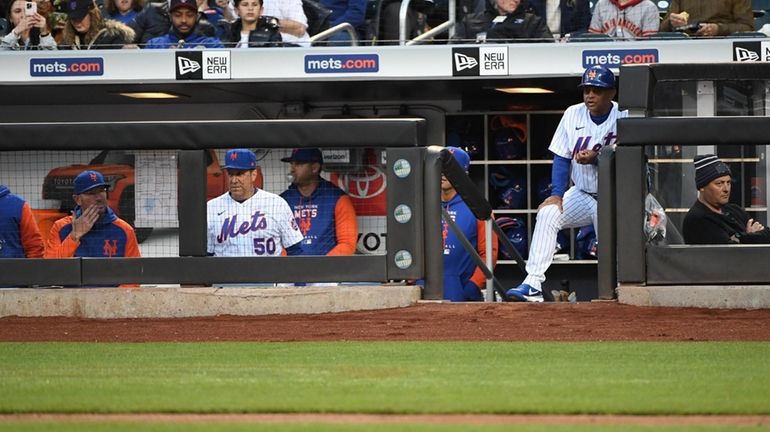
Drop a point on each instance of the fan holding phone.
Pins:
(709, 18)
(30, 29)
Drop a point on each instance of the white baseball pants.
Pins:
(579, 210)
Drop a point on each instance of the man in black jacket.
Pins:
(504, 21)
(712, 219)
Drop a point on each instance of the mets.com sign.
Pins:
(49, 67)
(615, 58)
(342, 63)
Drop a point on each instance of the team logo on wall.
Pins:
(202, 65)
(751, 51)
(484, 61)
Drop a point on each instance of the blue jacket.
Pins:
(109, 237)
(349, 11)
(19, 236)
(171, 40)
(575, 14)
(462, 278)
(318, 216)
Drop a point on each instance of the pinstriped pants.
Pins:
(579, 210)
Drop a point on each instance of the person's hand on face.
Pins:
(83, 224)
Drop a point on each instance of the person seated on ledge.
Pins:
(709, 18)
(712, 219)
(503, 21)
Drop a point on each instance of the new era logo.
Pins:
(463, 62)
(751, 51)
(203, 65)
(187, 66)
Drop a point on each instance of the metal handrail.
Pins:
(402, 24)
(326, 34)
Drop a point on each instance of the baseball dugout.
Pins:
(677, 112)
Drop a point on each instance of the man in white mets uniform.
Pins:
(247, 221)
(584, 129)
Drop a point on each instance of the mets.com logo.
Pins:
(615, 58)
(342, 63)
(47, 67)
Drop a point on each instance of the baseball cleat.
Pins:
(525, 293)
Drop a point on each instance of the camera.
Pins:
(30, 8)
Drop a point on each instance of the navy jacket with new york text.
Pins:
(462, 278)
(326, 218)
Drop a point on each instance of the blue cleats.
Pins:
(525, 293)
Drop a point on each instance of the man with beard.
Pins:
(93, 230)
(184, 20)
(713, 219)
(323, 211)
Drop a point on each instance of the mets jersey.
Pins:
(326, 218)
(578, 132)
(263, 225)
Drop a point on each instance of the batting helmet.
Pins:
(585, 243)
(509, 136)
(598, 76)
(562, 242)
(516, 231)
(511, 189)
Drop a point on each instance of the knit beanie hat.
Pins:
(707, 168)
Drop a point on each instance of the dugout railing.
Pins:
(403, 138)
(710, 115)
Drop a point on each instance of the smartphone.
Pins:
(30, 8)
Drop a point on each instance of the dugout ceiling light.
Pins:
(524, 90)
(151, 95)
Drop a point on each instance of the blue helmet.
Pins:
(510, 187)
(516, 231)
(598, 76)
(585, 243)
(461, 156)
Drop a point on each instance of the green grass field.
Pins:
(385, 377)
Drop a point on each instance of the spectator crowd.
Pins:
(103, 24)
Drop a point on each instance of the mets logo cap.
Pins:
(240, 159)
(88, 180)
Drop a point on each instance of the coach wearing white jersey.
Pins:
(582, 132)
(247, 221)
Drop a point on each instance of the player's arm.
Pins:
(31, 239)
(478, 277)
(346, 227)
(58, 248)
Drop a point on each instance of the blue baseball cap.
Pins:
(305, 155)
(461, 156)
(240, 159)
(88, 180)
